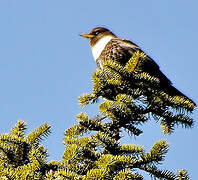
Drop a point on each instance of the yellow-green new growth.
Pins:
(22, 157)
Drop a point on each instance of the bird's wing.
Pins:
(150, 66)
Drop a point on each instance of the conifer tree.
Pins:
(93, 148)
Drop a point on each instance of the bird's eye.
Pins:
(97, 32)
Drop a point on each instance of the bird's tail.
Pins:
(178, 95)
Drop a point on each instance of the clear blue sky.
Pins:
(45, 65)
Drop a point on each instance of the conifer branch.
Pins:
(37, 135)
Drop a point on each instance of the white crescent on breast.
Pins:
(100, 45)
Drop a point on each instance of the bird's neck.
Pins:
(98, 47)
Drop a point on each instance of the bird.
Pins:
(106, 45)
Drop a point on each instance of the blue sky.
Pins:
(45, 65)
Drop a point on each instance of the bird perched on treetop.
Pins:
(105, 45)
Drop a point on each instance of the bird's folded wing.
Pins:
(149, 66)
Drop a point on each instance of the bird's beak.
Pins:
(87, 35)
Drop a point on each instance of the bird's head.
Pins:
(97, 34)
